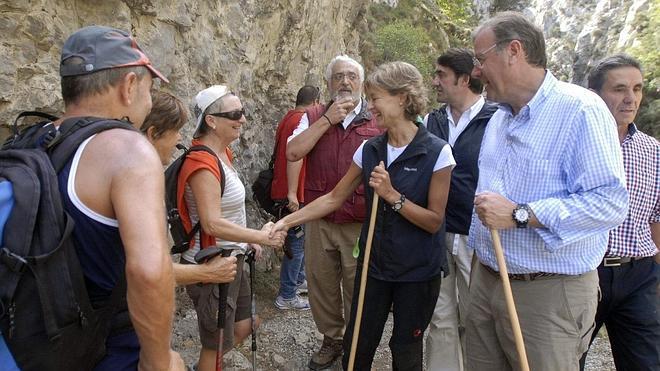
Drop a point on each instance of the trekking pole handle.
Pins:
(223, 291)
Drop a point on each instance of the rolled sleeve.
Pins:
(596, 199)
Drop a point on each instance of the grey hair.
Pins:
(75, 88)
(216, 106)
(347, 59)
(596, 78)
(508, 26)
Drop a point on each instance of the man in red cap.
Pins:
(113, 189)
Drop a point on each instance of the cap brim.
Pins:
(157, 73)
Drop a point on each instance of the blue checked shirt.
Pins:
(561, 155)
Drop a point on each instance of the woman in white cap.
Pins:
(221, 212)
(161, 127)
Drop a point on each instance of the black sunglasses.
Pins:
(232, 115)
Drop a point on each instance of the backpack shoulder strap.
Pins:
(74, 131)
(196, 148)
(204, 148)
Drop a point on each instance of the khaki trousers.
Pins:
(330, 268)
(445, 344)
(556, 317)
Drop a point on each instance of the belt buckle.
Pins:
(613, 261)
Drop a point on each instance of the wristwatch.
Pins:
(521, 215)
(398, 204)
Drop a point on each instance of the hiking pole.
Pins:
(510, 305)
(363, 282)
(223, 288)
(253, 308)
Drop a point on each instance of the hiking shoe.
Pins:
(302, 288)
(297, 303)
(330, 350)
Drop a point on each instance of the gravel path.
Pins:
(287, 339)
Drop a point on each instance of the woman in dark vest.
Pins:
(410, 170)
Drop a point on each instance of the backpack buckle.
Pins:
(14, 262)
(49, 138)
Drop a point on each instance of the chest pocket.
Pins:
(528, 180)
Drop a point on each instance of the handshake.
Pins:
(270, 237)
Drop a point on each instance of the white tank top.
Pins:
(233, 209)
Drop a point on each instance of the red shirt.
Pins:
(279, 187)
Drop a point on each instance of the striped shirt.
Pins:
(232, 205)
(560, 154)
(641, 160)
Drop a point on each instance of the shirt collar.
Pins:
(632, 130)
(358, 107)
(534, 104)
(473, 111)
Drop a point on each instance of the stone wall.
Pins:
(264, 50)
(578, 32)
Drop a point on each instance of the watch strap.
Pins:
(398, 204)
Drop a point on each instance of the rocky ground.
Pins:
(287, 339)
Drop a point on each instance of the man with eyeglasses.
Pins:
(461, 121)
(551, 180)
(328, 136)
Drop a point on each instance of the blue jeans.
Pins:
(292, 272)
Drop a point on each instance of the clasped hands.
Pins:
(379, 181)
(272, 238)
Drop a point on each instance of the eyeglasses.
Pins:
(339, 77)
(478, 61)
(231, 115)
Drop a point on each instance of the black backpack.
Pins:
(180, 236)
(46, 317)
(262, 186)
(261, 189)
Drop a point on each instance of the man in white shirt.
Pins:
(328, 136)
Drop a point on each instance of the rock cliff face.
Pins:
(264, 50)
(578, 32)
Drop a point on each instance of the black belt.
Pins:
(615, 261)
(522, 276)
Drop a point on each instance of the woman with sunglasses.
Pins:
(161, 127)
(410, 169)
(222, 216)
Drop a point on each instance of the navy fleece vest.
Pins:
(401, 251)
(466, 173)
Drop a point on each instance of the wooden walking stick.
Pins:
(363, 282)
(508, 295)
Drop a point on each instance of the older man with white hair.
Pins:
(328, 136)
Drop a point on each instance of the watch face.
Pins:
(522, 215)
(397, 206)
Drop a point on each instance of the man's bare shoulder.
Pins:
(115, 149)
